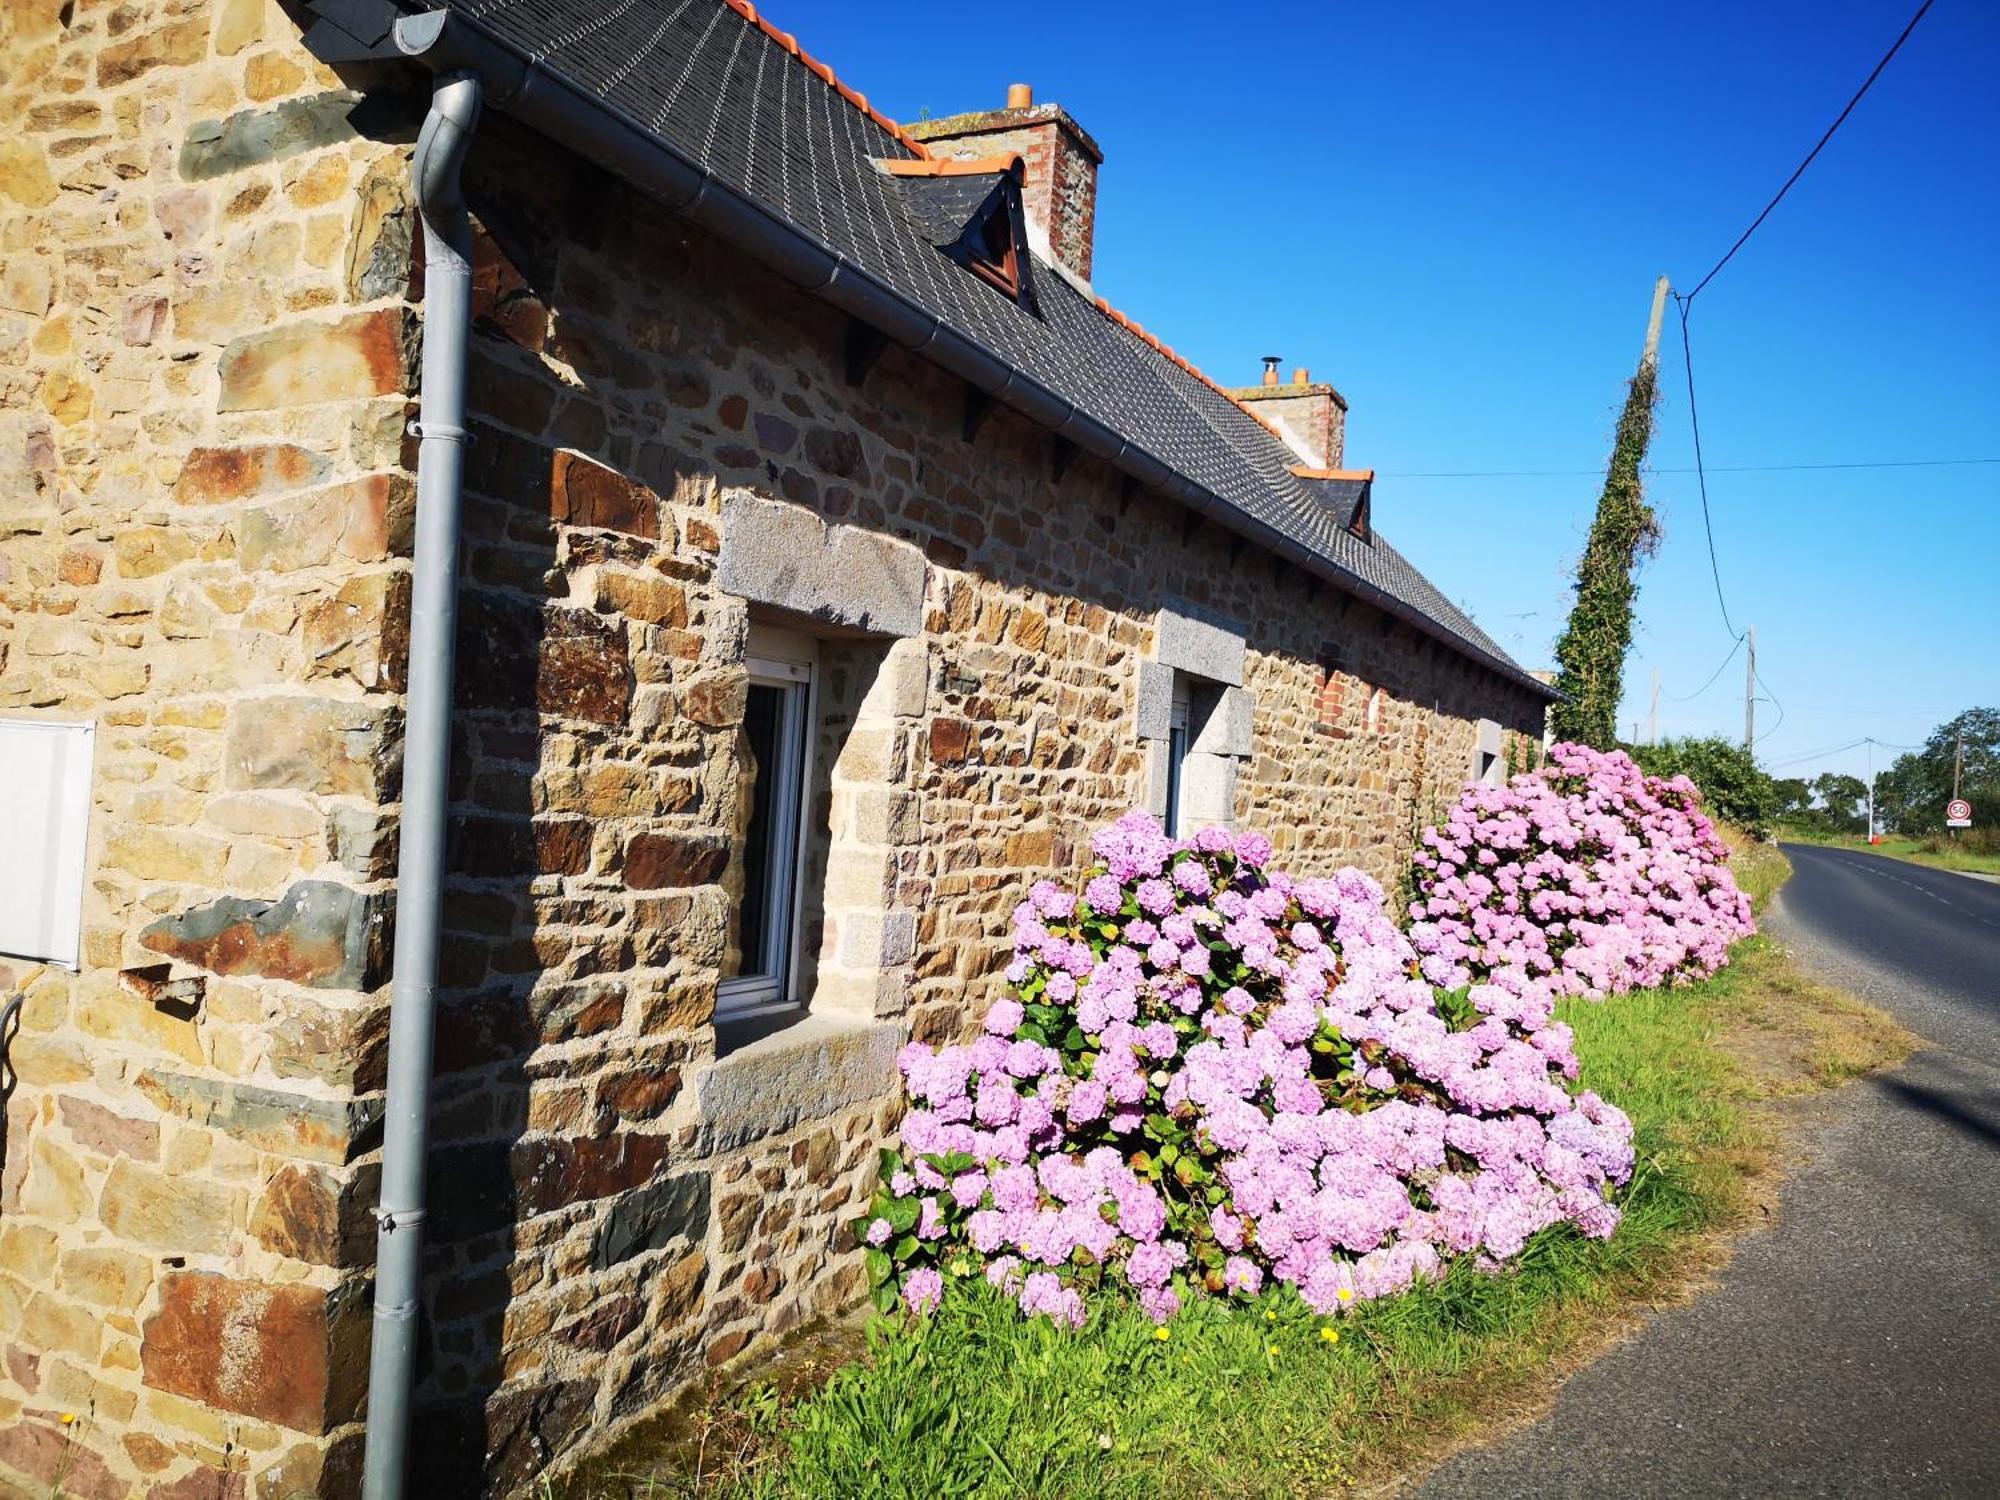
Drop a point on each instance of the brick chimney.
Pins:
(1060, 194)
(1313, 417)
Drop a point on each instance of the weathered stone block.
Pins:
(313, 745)
(1200, 642)
(98, 1129)
(214, 148)
(785, 556)
(1154, 718)
(294, 1355)
(583, 492)
(379, 251)
(362, 631)
(312, 1214)
(24, 175)
(363, 520)
(805, 1072)
(654, 1217)
(213, 476)
(342, 1046)
(300, 1125)
(363, 841)
(174, 1212)
(363, 355)
(1227, 729)
(585, 672)
(175, 45)
(663, 861)
(320, 933)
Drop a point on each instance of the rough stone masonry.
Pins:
(207, 340)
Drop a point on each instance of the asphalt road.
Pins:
(1853, 1347)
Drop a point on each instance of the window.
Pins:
(773, 751)
(1177, 752)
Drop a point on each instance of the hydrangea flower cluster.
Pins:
(1209, 1077)
(1586, 876)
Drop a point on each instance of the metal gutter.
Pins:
(446, 40)
(399, 1238)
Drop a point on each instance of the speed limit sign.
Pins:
(1958, 813)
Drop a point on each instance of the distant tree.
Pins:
(1792, 800)
(1733, 788)
(1910, 795)
(1840, 799)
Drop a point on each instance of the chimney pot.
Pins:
(1271, 363)
(1020, 96)
(1301, 376)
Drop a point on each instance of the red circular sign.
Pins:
(1959, 808)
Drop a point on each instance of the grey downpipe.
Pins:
(399, 1241)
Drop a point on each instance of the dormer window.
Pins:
(988, 247)
(1345, 492)
(971, 210)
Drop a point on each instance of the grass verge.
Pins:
(1940, 853)
(977, 1402)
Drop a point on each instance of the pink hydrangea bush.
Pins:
(1210, 1078)
(1586, 875)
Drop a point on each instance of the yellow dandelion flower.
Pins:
(1162, 1332)
(1332, 1336)
(1272, 1351)
(68, 1417)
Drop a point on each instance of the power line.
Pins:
(1894, 463)
(1685, 304)
(1800, 170)
(1712, 676)
(1701, 476)
(1772, 699)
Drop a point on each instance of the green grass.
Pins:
(978, 1402)
(1977, 854)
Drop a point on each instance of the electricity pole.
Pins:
(1957, 765)
(1750, 691)
(1871, 791)
(1653, 713)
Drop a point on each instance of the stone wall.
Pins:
(203, 510)
(208, 354)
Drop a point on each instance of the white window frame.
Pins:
(781, 659)
(45, 776)
(1180, 742)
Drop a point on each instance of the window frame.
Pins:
(789, 662)
(1180, 741)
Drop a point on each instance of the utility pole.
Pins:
(1750, 692)
(1957, 765)
(1653, 713)
(1871, 791)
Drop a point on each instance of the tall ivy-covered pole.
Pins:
(1590, 654)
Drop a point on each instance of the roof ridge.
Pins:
(824, 72)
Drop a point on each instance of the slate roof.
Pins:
(737, 99)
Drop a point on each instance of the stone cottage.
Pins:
(831, 560)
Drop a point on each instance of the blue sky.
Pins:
(1456, 213)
